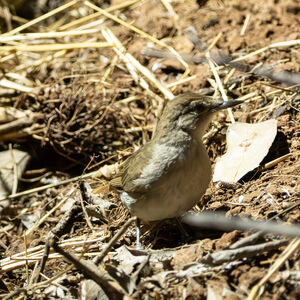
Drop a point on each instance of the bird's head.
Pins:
(191, 112)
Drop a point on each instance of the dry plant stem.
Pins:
(249, 240)
(220, 86)
(44, 218)
(214, 42)
(54, 47)
(92, 271)
(245, 24)
(15, 182)
(45, 187)
(61, 228)
(16, 86)
(159, 53)
(253, 96)
(274, 162)
(121, 5)
(112, 242)
(41, 18)
(82, 200)
(26, 265)
(17, 124)
(131, 62)
(142, 33)
(43, 262)
(272, 46)
(181, 81)
(48, 35)
(39, 62)
(287, 253)
(15, 293)
(17, 261)
(248, 251)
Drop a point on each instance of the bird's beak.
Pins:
(226, 104)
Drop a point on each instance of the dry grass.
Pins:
(94, 99)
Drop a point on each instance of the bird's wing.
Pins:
(131, 169)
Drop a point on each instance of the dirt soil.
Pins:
(90, 112)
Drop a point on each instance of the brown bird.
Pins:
(169, 174)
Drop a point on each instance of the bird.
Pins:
(169, 174)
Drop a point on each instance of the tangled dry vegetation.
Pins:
(82, 87)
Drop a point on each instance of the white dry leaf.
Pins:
(12, 166)
(90, 290)
(247, 145)
(8, 114)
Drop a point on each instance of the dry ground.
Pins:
(88, 109)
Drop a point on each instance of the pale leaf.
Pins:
(247, 145)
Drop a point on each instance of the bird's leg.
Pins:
(181, 229)
(138, 234)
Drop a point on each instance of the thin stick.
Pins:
(15, 181)
(287, 253)
(220, 86)
(48, 35)
(121, 5)
(41, 220)
(245, 24)
(272, 46)
(142, 33)
(90, 270)
(41, 18)
(16, 86)
(181, 81)
(215, 40)
(274, 162)
(45, 187)
(115, 238)
(127, 57)
(54, 47)
(26, 262)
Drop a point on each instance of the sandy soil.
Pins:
(85, 123)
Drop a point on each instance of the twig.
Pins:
(245, 24)
(159, 53)
(248, 251)
(48, 35)
(109, 286)
(41, 18)
(45, 187)
(142, 33)
(84, 19)
(112, 242)
(249, 240)
(82, 200)
(54, 47)
(220, 86)
(44, 217)
(272, 46)
(274, 162)
(287, 253)
(128, 58)
(16, 175)
(61, 228)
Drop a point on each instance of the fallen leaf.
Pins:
(12, 166)
(247, 145)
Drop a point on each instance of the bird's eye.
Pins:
(196, 105)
